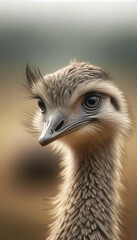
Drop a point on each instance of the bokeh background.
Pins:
(48, 34)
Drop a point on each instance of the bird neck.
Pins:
(87, 204)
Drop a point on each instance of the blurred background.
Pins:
(48, 34)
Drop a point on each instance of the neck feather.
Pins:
(88, 200)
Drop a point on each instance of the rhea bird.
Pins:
(85, 116)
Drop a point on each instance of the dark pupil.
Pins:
(41, 105)
(92, 101)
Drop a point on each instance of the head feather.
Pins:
(33, 77)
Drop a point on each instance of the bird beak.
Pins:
(51, 130)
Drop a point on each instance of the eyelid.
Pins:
(93, 94)
(85, 95)
(37, 97)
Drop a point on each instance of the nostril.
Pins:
(51, 131)
(59, 126)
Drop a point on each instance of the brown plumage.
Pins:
(85, 116)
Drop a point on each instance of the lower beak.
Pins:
(52, 129)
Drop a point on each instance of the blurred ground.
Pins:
(48, 35)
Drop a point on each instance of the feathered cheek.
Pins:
(38, 121)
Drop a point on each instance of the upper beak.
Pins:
(51, 129)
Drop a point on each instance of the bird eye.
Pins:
(93, 101)
(41, 105)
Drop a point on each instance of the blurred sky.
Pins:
(48, 34)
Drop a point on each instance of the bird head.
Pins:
(78, 105)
